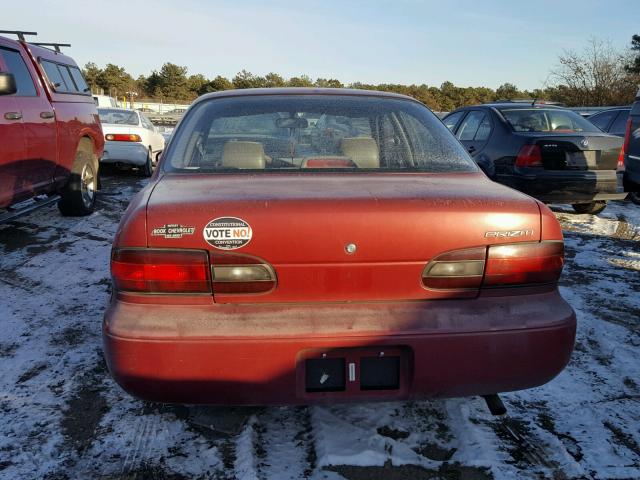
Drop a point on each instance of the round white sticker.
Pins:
(227, 233)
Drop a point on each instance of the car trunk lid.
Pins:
(592, 151)
(302, 225)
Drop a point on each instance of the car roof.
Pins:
(303, 91)
(625, 107)
(40, 52)
(44, 53)
(521, 105)
(120, 109)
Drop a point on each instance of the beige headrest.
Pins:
(243, 155)
(362, 150)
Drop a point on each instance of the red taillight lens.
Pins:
(529, 156)
(625, 145)
(517, 264)
(160, 271)
(122, 137)
(524, 264)
(240, 274)
(460, 269)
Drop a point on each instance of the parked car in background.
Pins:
(50, 135)
(548, 152)
(131, 139)
(175, 111)
(613, 120)
(146, 110)
(257, 268)
(631, 152)
(105, 101)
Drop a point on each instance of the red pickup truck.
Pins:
(50, 133)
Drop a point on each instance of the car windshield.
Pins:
(546, 120)
(118, 117)
(312, 133)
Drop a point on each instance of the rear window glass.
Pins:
(546, 120)
(313, 133)
(619, 126)
(117, 117)
(601, 120)
(65, 78)
(79, 80)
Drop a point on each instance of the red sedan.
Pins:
(306, 245)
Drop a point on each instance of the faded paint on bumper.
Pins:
(251, 354)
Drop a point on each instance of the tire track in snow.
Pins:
(284, 433)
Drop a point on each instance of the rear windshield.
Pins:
(546, 120)
(117, 117)
(313, 133)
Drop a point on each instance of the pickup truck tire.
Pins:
(147, 169)
(78, 197)
(593, 208)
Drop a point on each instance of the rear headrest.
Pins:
(243, 155)
(362, 150)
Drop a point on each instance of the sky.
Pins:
(470, 43)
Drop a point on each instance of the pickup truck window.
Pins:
(15, 64)
(65, 78)
(71, 86)
(54, 76)
(79, 80)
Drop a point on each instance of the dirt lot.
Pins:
(62, 417)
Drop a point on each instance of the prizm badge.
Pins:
(509, 233)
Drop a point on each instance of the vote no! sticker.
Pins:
(227, 233)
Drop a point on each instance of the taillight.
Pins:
(625, 145)
(160, 271)
(122, 137)
(516, 264)
(524, 264)
(240, 274)
(460, 269)
(529, 156)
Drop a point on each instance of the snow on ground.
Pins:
(62, 417)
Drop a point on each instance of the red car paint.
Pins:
(329, 302)
(38, 149)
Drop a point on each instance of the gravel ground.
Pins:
(62, 417)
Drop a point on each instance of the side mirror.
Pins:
(7, 84)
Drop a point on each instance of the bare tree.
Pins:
(595, 76)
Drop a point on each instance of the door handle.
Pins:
(471, 149)
(13, 115)
(46, 115)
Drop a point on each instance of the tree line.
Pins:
(598, 75)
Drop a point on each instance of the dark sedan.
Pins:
(548, 152)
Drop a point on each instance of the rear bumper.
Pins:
(254, 354)
(567, 187)
(133, 153)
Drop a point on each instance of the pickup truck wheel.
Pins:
(635, 197)
(593, 208)
(147, 169)
(78, 197)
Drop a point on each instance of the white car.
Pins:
(105, 101)
(130, 138)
